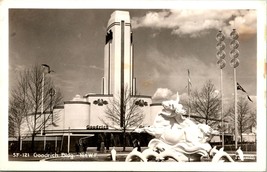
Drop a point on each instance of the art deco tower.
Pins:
(118, 60)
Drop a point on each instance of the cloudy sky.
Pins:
(167, 42)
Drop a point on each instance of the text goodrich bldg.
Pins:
(80, 119)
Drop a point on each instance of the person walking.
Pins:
(84, 146)
(77, 147)
(136, 143)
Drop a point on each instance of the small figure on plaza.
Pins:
(112, 140)
(47, 148)
(84, 146)
(136, 144)
(77, 147)
(102, 147)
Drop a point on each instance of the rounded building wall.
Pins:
(77, 114)
(145, 108)
(143, 103)
(98, 104)
(155, 109)
(98, 114)
(58, 118)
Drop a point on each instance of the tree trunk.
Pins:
(19, 140)
(124, 139)
(18, 145)
(241, 140)
(241, 131)
(32, 144)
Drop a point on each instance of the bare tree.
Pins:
(206, 105)
(245, 118)
(18, 107)
(123, 114)
(35, 98)
(252, 119)
(253, 122)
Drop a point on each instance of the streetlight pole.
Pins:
(52, 93)
(42, 103)
(221, 63)
(42, 107)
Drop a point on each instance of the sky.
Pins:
(167, 42)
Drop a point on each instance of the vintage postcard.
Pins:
(133, 85)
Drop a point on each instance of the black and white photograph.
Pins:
(107, 86)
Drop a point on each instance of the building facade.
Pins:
(81, 119)
(118, 79)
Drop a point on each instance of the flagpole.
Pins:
(222, 107)
(42, 108)
(189, 94)
(234, 62)
(235, 104)
(221, 63)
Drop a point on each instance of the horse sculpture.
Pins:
(176, 136)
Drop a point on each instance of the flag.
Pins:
(249, 98)
(54, 124)
(189, 79)
(239, 87)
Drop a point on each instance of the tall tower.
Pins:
(118, 60)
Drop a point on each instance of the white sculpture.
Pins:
(180, 139)
(222, 154)
(113, 154)
(135, 154)
(239, 154)
(171, 127)
(177, 134)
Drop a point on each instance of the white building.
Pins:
(81, 116)
(118, 76)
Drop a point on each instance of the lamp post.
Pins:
(221, 63)
(42, 107)
(234, 53)
(52, 92)
(42, 102)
